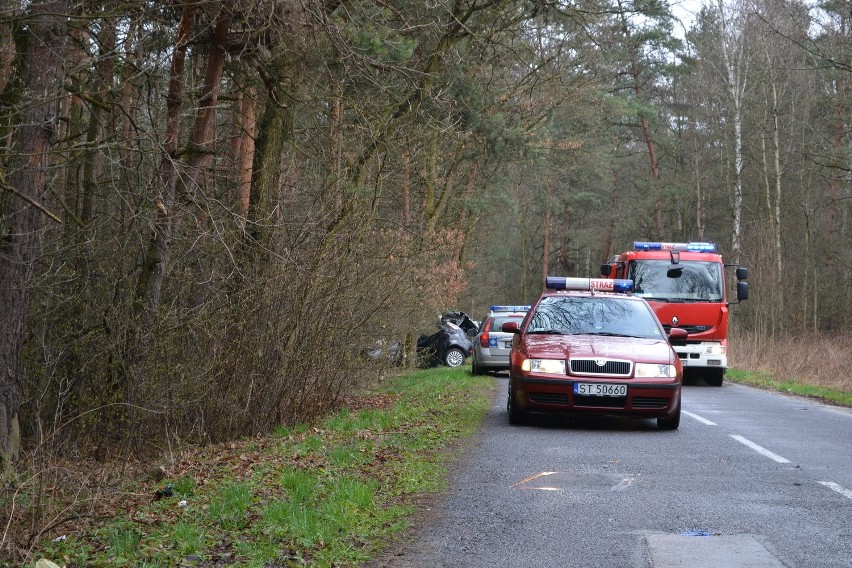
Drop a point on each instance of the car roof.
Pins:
(506, 310)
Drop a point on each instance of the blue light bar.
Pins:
(509, 308)
(589, 284)
(689, 247)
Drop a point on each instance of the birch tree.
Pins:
(736, 61)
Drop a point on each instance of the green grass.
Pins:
(764, 380)
(333, 493)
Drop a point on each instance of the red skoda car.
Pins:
(587, 347)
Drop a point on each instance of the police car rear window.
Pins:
(498, 321)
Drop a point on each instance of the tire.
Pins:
(517, 416)
(715, 377)
(476, 369)
(453, 357)
(671, 422)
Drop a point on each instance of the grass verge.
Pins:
(765, 380)
(328, 494)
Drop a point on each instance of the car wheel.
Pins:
(476, 369)
(453, 357)
(516, 415)
(670, 422)
(715, 377)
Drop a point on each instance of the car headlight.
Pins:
(654, 370)
(552, 366)
(716, 350)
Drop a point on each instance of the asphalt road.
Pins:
(751, 479)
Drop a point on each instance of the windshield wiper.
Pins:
(546, 331)
(610, 334)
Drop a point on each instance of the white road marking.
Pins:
(839, 488)
(699, 418)
(759, 449)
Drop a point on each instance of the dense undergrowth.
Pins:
(332, 493)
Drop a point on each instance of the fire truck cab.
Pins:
(685, 285)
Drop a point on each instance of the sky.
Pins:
(685, 11)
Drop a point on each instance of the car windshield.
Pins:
(686, 281)
(585, 315)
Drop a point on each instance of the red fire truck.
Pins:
(685, 285)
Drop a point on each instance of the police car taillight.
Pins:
(689, 247)
(485, 337)
(589, 284)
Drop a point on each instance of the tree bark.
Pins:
(244, 154)
(30, 165)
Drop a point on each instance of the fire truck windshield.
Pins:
(687, 281)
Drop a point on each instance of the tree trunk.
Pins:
(244, 155)
(9, 9)
(736, 86)
(406, 183)
(19, 247)
(153, 269)
(699, 209)
(545, 257)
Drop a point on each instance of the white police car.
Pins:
(491, 346)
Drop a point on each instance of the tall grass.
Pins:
(820, 360)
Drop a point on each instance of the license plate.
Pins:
(600, 389)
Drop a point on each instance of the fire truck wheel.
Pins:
(715, 377)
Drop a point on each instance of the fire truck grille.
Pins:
(690, 329)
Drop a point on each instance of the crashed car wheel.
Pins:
(453, 357)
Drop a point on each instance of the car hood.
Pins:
(596, 346)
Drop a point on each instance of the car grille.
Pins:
(649, 402)
(600, 401)
(549, 398)
(610, 367)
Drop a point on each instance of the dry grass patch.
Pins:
(819, 360)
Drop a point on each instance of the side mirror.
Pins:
(742, 291)
(606, 270)
(742, 273)
(678, 334)
(510, 327)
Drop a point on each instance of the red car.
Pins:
(588, 347)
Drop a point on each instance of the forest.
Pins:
(208, 208)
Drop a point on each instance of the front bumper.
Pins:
(696, 355)
(643, 399)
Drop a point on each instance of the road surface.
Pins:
(751, 479)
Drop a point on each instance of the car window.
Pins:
(498, 321)
(594, 316)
